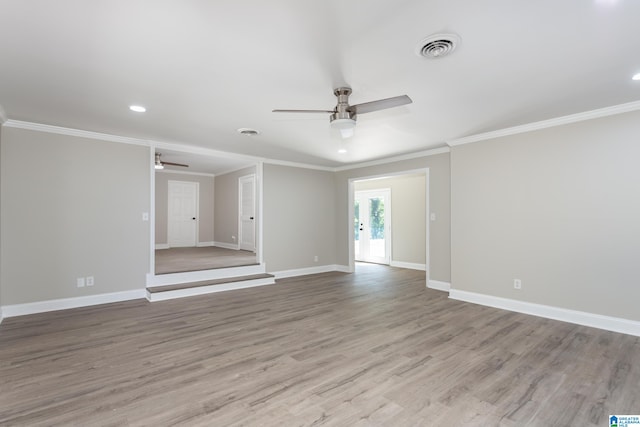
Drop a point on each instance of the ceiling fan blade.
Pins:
(302, 111)
(175, 164)
(381, 104)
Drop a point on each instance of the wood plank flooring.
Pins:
(371, 348)
(178, 260)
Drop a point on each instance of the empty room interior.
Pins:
(409, 213)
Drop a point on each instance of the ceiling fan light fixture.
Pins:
(345, 126)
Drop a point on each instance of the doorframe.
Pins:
(251, 161)
(197, 184)
(388, 222)
(350, 213)
(255, 205)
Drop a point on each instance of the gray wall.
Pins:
(299, 218)
(71, 207)
(226, 205)
(557, 208)
(439, 191)
(205, 204)
(408, 215)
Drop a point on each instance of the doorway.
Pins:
(182, 219)
(372, 226)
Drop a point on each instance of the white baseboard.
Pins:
(225, 245)
(310, 270)
(66, 303)
(205, 244)
(438, 285)
(162, 246)
(599, 321)
(202, 290)
(411, 265)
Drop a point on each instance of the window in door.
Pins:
(372, 213)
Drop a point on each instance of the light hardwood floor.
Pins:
(178, 260)
(372, 348)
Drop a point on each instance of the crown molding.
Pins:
(192, 149)
(298, 165)
(211, 175)
(3, 116)
(76, 132)
(544, 124)
(431, 152)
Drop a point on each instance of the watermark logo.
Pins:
(624, 420)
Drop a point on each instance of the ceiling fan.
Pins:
(343, 116)
(160, 164)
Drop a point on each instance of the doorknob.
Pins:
(250, 217)
(193, 217)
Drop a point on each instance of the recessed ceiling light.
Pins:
(248, 131)
(636, 76)
(342, 150)
(137, 108)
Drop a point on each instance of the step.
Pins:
(181, 290)
(204, 275)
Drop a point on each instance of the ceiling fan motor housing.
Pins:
(342, 109)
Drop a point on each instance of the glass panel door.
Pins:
(372, 226)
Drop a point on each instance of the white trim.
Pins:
(201, 275)
(608, 323)
(67, 303)
(418, 154)
(410, 265)
(299, 165)
(311, 270)
(186, 148)
(205, 244)
(438, 285)
(227, 245)
(558, 121)
(162, 246)
(209, 289)
(184, 172)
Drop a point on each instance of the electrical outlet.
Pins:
(89, 281)
(517, 284)
(315, 258)
(80, 282)
(233, 238)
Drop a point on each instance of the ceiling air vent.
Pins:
(437, 45)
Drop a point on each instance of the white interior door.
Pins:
(247, 210)
(182, 221)
(372, 222)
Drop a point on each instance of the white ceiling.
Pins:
(205, 68)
